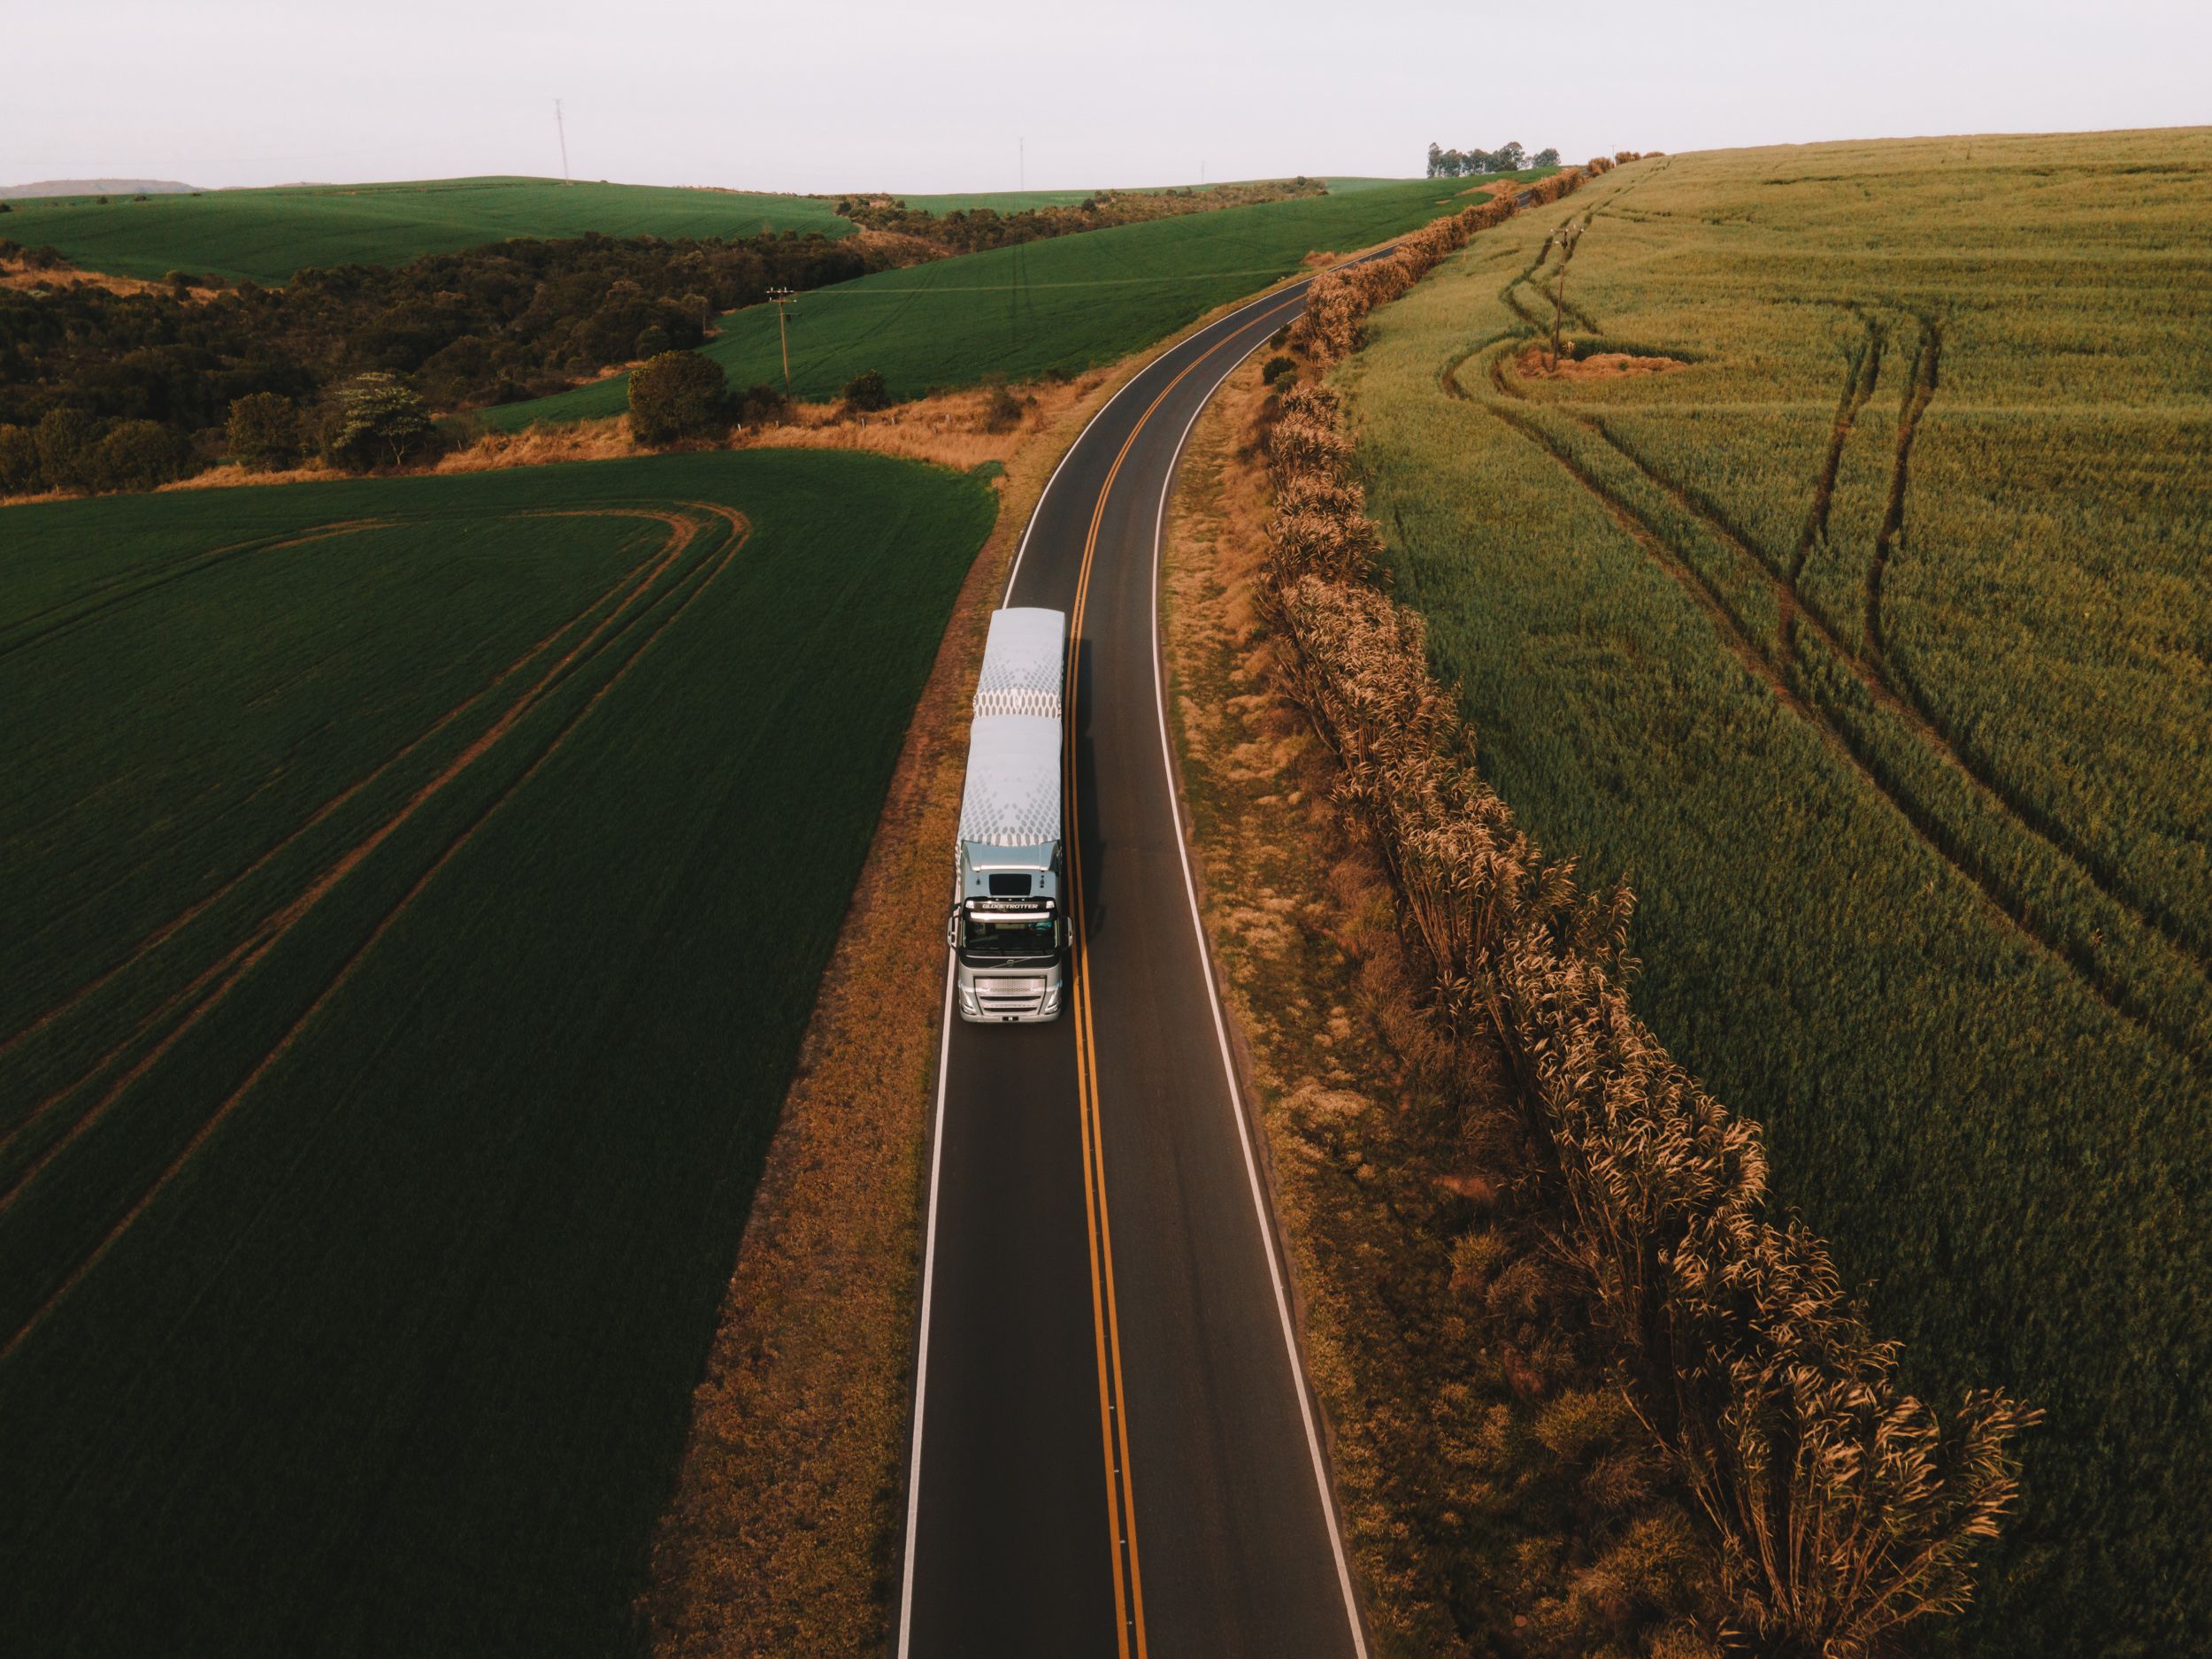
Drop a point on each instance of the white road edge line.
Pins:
(1234, 319)
(921, 1357)
(1221, 1033)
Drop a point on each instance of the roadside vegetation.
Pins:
(1499, 1495)
(360, 1254)
(1838, 576)
(1616, 1214)
(1023, 313)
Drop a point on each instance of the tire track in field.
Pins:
(161, 935)
(1891, 689)
(1509, 408)
(1886, 679)
(175, 572)
(275, 927)
(1920, 388)
(713, 568)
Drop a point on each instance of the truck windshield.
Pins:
(999, 940)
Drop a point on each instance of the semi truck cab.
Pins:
(1008, 930)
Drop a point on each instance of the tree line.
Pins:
(268, 375)
(1508, 158)
(971, 230)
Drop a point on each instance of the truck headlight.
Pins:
(967, 1001)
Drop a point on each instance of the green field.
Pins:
(266, 236)
(415, 893)
(1875, 646)
(1069, 303)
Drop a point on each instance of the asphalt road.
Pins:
(1113, 1450)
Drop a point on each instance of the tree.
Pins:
(262, 433)
(1545, 158)
(1509, 157)
(378, 418)
(677, 395)
(18, 461)
(134, 455)
(866, 391)
(1436, 160)
(63, 436)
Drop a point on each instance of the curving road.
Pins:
(1114, 1451)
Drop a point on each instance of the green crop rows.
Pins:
(415, 893)
(1872, 646)
(1069, 303)
(266, 235)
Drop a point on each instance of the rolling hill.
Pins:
(1066, 304)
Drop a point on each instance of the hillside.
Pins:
(91, 187)
(390, 1040)
(1067, 304)
(266, 235)
(1849, 588)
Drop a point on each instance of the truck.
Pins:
(1009, 927)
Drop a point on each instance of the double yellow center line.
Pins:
(1113, 1420)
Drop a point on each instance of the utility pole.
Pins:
(561, 126)
(779, 298)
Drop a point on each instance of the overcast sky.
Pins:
(933, 94)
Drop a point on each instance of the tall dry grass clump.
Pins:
(1841, 1507)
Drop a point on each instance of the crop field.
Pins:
(415, 892)
(1070, 303)
(1865, 623)
(266, 235)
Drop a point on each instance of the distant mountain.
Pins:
(98, 186)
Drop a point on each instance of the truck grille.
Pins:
(1002, 995)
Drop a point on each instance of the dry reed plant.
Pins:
(1841, 1507)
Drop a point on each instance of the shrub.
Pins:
(1002, 412)
(20, 473)
(134, 455)
(762, 405)
(1277, 368)
(678, 395)
(263, 432)
(378, 420)
(866, 391)
(63, 437)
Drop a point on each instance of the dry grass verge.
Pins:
(1498, 1496)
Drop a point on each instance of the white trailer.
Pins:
(1009, 931)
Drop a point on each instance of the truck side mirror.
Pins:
(952, 930)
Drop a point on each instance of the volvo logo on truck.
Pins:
(1008, 932)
